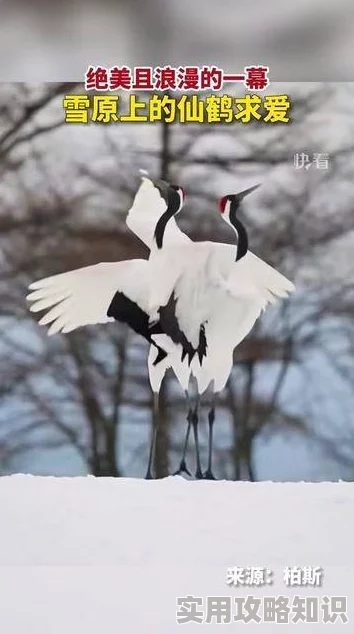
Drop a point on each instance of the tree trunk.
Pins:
(162, 439)
(104, 467)
(112, 426)
(165, 150)
(231, 398)
(244, 455)
(111, 452)
(243, 436)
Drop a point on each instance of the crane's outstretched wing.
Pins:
(252, 277)
(147, 208)
(94, 294)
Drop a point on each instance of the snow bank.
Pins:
(91, 555)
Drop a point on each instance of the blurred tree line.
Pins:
(87, 389)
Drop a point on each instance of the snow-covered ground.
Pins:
(103, 555)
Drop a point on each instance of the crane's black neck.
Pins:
(173, 203)
(242, 237)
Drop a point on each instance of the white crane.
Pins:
(117, 291)
(207, 300)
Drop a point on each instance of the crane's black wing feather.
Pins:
(170, 325)
(128, 312)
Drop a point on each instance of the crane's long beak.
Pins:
(159, 183)
(169, 194)
(162, 186)
(241, 195)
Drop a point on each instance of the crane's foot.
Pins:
(208, 475)
(149, 475)
(199, 474)
(182, 469)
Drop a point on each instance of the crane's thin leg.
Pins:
(198, 473)
(149, 475)
(182, 466)
(208, 475)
